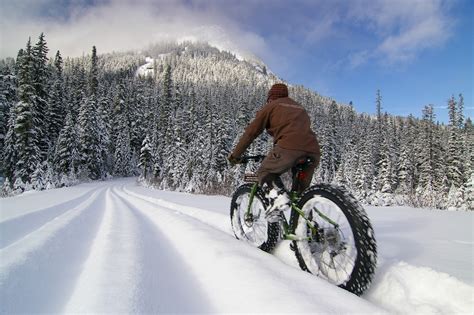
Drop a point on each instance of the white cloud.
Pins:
(403, 29)
(277, 31)
(116, 25)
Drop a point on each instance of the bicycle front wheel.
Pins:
(248, 218)
(338, 243)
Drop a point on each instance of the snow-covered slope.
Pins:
(116, 247)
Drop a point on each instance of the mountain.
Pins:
(173, 111)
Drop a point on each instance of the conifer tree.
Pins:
(378, 131)
(93, 74)
(92, 164)
(41, 76)
(426, 170)
(145, 156)
(122, 157)
(78, 88)
(56, 111)
(89, 145)
(454, 164)
(9, 152)
(66, 154)
(8, 92)
(469, 193)
(166, 106)
(26, 120)
(329, 158)
(385, 164)
(122, 150)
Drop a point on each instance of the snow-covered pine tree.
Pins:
(469, 193)
(104, 130)
(66, 157)
(350, 130)
(77, 87)
(37, 178)
(426, 185)
(166, 110)
(454, 163)
(56, 110)
(89, 141)
(94, 74)
(177, 149)
(6, 188)
(121, 133)
(329, 144)
(41, 75)
(385, 164)
(122, 158)
(407, 162)
(210, 141)
(377, 134)
(27, 148)
(8, 87)
(91, 125)
(9, 152)
(146, 157)
(364, 173)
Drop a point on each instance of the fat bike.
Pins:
(329, 230)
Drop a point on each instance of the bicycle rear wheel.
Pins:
(342, 247)
(252, 227)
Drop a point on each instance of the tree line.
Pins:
(65, 121)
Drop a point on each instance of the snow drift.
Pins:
(116, 247)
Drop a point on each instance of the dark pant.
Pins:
(280, 160)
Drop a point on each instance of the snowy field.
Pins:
(115, 247)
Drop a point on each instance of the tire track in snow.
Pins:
(107, 281)
(173, 289)
(44, 263)
(229, 271)
(11, 230)
(216, 220)
(131, 268)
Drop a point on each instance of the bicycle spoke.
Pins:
(332, 254)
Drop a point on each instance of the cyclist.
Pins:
(289, 124)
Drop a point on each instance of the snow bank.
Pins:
(407, 289)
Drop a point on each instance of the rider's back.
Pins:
(290, 125)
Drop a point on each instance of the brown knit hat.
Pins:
(278, 90)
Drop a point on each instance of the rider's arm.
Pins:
(253, 130)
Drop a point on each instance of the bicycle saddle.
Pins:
(303, 162)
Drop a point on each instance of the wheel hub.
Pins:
(249, 219)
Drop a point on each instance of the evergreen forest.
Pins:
(170, 114)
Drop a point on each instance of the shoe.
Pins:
(278, 202)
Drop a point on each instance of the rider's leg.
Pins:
(276, 195)
(307, 176)
(277, 162)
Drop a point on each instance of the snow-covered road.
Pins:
(115, 247)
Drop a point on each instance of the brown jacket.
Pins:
(287, 122)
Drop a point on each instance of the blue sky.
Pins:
(417, 52)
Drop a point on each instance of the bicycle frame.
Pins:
(288, 230)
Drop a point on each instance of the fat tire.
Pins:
(364, 237)
(273, 230)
